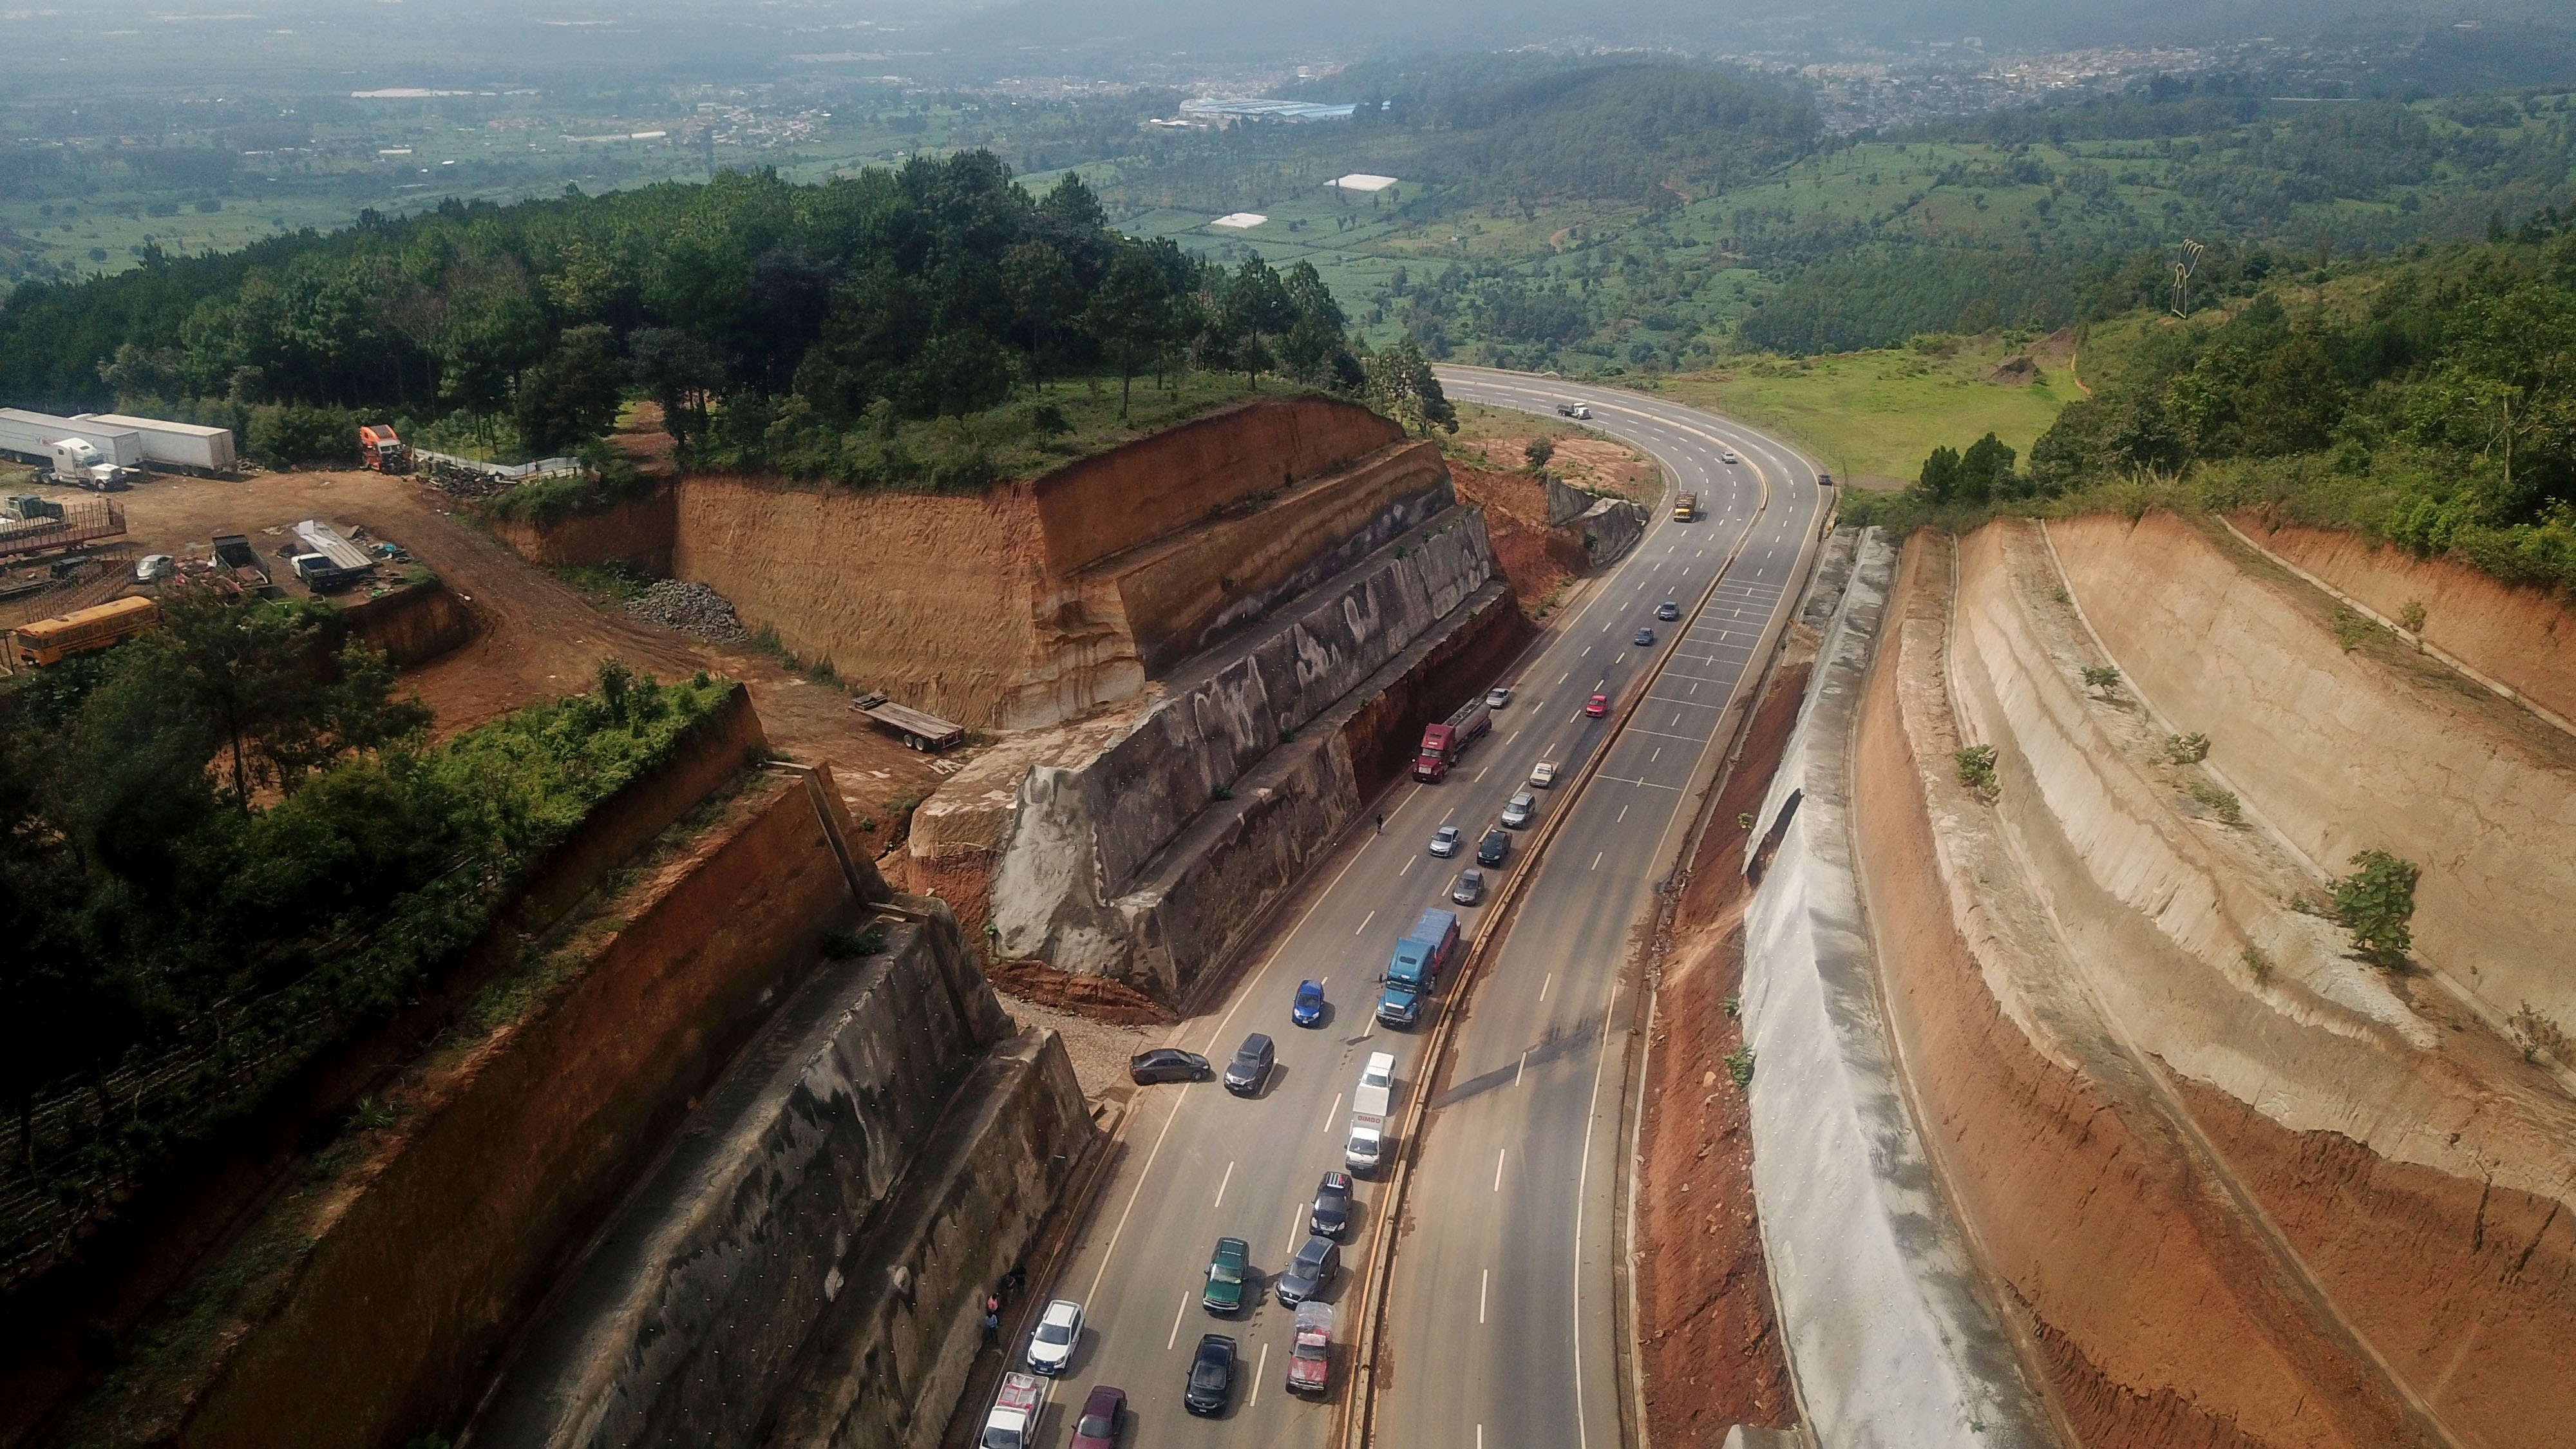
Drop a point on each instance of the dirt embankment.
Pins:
(1712, 1350)
(1537, 559)
(2126, 1049)
(2525, 638)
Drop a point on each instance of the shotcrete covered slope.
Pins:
(2340, 752)
(1889, 1338)
(2090, 980)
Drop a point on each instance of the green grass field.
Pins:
(1872, 416)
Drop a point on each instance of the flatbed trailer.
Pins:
(81, 521)
(919, 730)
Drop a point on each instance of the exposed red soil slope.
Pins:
(1711, 1348)
(1536, 559)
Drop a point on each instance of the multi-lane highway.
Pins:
(1499, 1328)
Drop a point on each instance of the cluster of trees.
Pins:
(228, 839)
(931, 290)
(2430, 402)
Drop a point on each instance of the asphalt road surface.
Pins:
(1499, 1329)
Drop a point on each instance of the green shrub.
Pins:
(2188, 749)
(2257, 965)
(2350, 629)
(296, 435)
(2102, 677)
(2376, 902)
(1976, 766)
(1739, 1064)
(2218, 802)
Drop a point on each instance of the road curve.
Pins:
(1511, 1193)
(1500, 1330)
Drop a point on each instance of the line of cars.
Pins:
(1408, 986)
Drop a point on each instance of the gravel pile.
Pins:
(693, 609)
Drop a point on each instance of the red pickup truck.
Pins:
(1310, 1366)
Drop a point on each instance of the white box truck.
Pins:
(193, 447)
(1369, 1109)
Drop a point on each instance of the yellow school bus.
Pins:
(82, 631)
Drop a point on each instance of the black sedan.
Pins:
(1211, 1375)
(1168, 1064)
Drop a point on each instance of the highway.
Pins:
(1499, 1329)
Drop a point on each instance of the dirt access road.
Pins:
(537, 637)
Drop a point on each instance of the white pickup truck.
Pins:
(1014, 1420)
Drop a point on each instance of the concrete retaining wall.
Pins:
(1890, 1341)
(874, 1131)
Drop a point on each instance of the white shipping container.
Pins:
(173, 445)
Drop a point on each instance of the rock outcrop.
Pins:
(804, 1267)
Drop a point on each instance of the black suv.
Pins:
(1251, 1066)
(1496, 844)
(1332, 1210)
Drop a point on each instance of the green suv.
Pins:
(1226, 1272)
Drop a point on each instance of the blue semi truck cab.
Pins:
(1413, 972)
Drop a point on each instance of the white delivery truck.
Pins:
(1370, 1107)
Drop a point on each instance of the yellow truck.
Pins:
(1686, 508)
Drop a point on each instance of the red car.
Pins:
(1097, 1428)
(1597, 706)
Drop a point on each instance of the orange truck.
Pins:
(379, 449)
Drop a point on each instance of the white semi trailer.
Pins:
(190, 446)
(31, 436)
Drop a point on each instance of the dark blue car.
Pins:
(1308, 1008)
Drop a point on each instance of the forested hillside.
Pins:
(782, 325)
(2428, 402)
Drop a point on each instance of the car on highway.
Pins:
(1543, 774)
(1496, 844)
(1730, 456)
(1518, 810)
(1228, 1266)
(1444, 841)
(1497, 697)
(1306, 1008)
(1468, 888)
(1167, 1064)
(1250, 1070)
(1597, 706)
(1097, 1427)
(1059, 1329)
(1668, 610)
(1310, 1272)
(1824, 480)
(1211, 1375)
(1645, 636)
(1331, 1212)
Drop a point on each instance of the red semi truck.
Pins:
(1444, 742)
